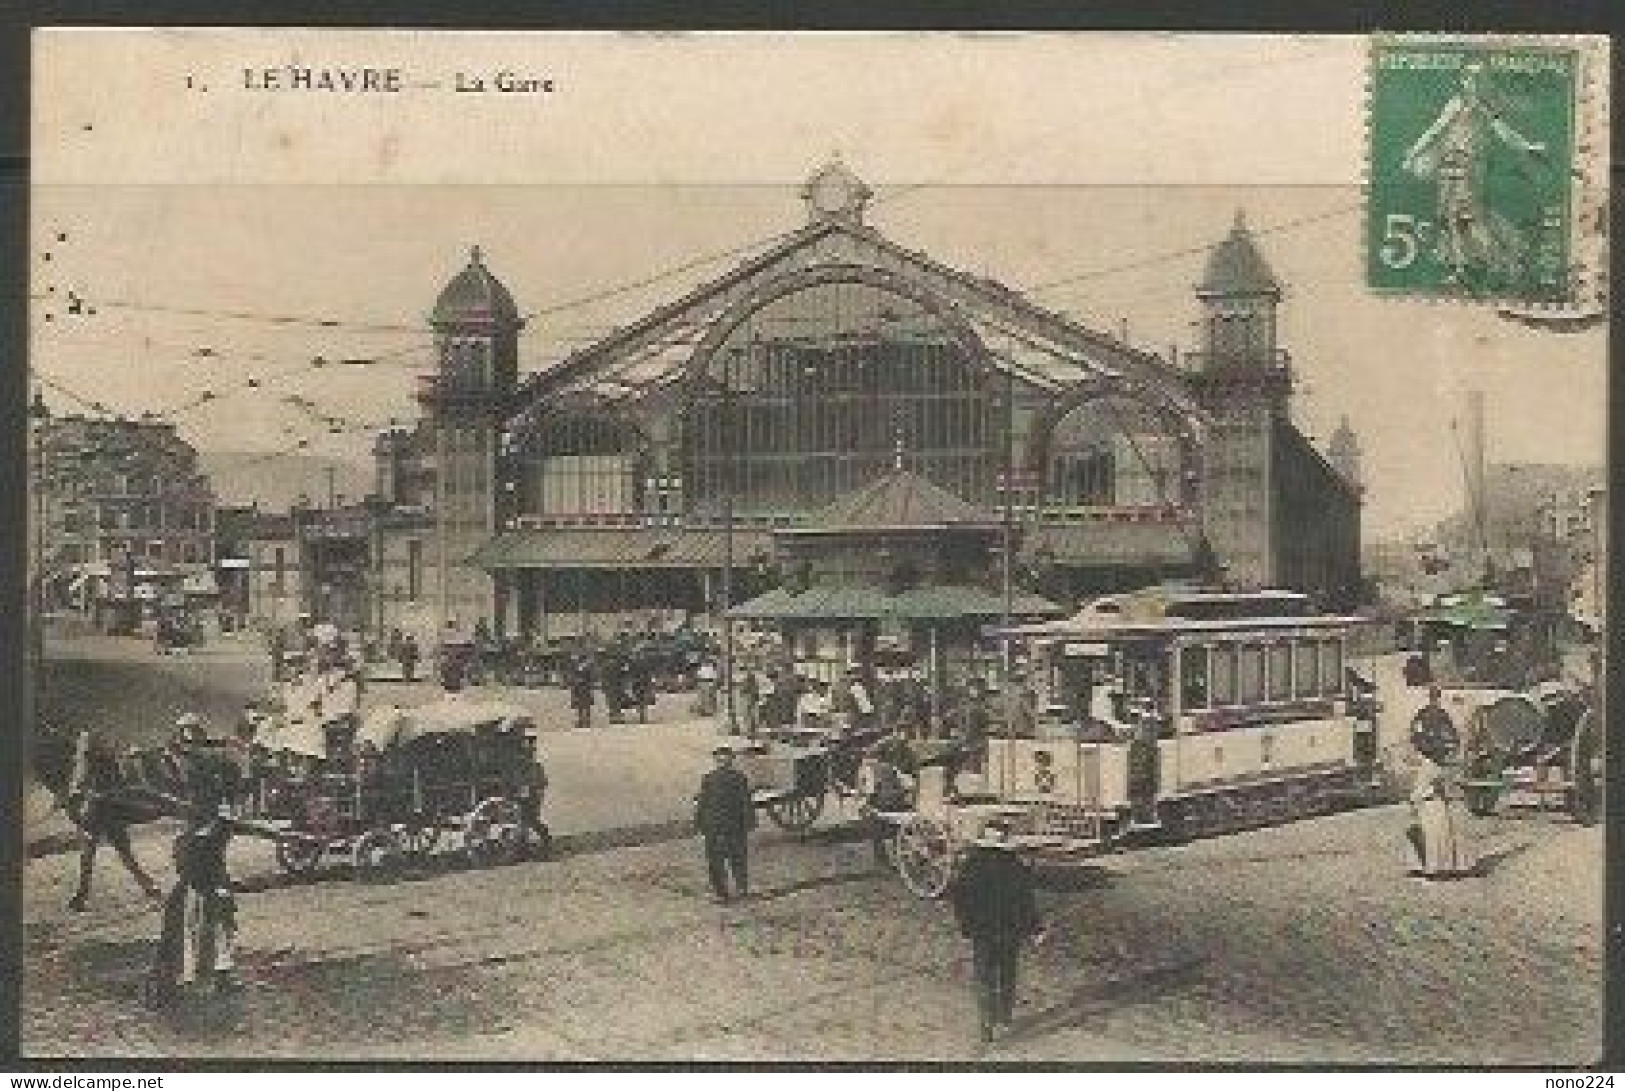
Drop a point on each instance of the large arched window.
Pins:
(580, 462)
(822, 389)
(1113, 452)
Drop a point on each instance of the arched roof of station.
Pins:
(1049, 351)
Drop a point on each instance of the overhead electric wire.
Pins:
(237, 315)
(1190, 251)
(57, 385)
(208, 397)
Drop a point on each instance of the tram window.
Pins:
(1306, 669)
(1193, 678)
(1331, 666)
(1250, 688)
(1224, 675)
(1280, 663)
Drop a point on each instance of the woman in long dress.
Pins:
(1439, 829)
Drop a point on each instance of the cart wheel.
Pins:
(924, 856)
(796, 813)
(298, 854)
(493, 833)
(419, 839)
(376, 855)
(1585, 771)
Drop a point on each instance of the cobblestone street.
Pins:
(1299, 943)
(931, 551)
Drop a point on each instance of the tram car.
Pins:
(462, 771)
(1163, 714)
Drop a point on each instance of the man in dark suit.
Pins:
(997, 911)
(725, 814)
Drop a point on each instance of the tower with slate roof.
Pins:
(1241, 377)
(476, 333)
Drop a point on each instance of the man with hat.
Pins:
(997, 910)
(209, 775)
(724, 813)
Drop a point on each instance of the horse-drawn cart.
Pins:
(793, 772)
(1540, 750)
(459, 771)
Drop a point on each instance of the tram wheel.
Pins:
(924, 855)
(796, 813)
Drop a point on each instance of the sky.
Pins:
(1106, 163)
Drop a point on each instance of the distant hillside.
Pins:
(241, 478)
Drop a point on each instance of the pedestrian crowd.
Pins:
(993, 896)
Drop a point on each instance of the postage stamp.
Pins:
(1472, 170)
(802, 492)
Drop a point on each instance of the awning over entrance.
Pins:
(874, 604)
(607, 548)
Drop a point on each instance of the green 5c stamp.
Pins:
(1472, 170)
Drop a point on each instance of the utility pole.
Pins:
(728, 457)
(441, 515)
(1599, 547)
(1007, 575)
(40, 419)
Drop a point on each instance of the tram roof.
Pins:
(1173, 611)
(1070, 629)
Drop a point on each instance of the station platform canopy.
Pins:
(642, 547)
(919, 604)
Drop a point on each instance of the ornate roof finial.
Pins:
(476, 256)
(1240, 224)
(834, 192)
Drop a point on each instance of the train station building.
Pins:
(648, 471)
